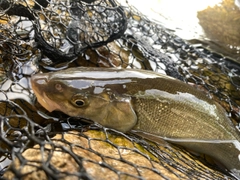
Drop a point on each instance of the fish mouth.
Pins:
(39, 84)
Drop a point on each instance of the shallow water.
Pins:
(181, 17)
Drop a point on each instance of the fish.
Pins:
(150, 104)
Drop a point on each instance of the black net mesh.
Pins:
(42, 35)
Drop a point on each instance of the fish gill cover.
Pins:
(42, 36)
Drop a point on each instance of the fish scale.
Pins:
(146, 103)
(172, 125)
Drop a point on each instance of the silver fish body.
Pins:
(144, 102)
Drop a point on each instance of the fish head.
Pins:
(81, 98)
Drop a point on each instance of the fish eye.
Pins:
(79, 100)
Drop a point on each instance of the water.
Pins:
(182, 18)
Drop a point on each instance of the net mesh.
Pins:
(42, 35)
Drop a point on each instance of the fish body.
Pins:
(144, 102)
